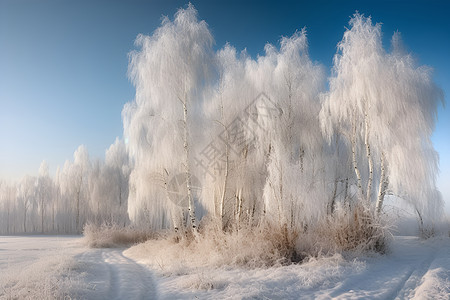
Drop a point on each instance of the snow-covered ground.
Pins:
(50, 267)
(111, 275)
(39, 267)
(53, 267)
(415, 269)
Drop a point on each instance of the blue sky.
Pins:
(63, 64)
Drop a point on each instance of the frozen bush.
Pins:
(108, 236)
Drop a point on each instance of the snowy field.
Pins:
(39, 267)
(46, 267)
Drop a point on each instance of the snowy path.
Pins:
(402, 274)
(110, 275)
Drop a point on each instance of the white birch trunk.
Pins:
(225, 180)
(346, 189)
(42, 213)
(355, 163)
(177, 219)
(191, 206)
(238, 206)
(77, 221)
(333, 197)
(53, 213)
(369, 159)
(383, 185)
(302, 155)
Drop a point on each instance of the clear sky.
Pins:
(63, 64)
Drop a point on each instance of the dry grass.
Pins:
(250, 247)
(264, 245)
(109, 236)
(254, 246)
(358, 230)
(268, 244)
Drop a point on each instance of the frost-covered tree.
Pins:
(56, 200)
(384, 105)
(74, 187)
(109, 185)
(292, 134)
(168, 72)
(80, 172)
(80, 192)
(99, 194)
(44, 190)
(8, 213)
(220, 161)
(118, 165)
(27, 197)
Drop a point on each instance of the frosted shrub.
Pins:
(427, 232)
(357, 229)
(107, 236)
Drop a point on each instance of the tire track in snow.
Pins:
(111, 275)
(410, 283)
(398, 275)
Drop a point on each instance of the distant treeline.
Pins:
(82, 191)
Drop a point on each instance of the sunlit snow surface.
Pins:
(46, 267)
(414, 269)
(39, 267)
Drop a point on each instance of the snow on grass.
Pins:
(48, 267)
(38, 267)
(265, 245)
(412, 269)
(282, 282)
(60, 267)
(249, 247)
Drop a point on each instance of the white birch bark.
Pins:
(191, 206)
(238, 206)
(355, 163)
(225, 180)
(383, 185)
(369, 157)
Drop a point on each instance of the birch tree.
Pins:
(385, 106)
(117, 173)
(44, 191)
(27, 195)
(75, 189)
(56, 199)
(169, 73)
